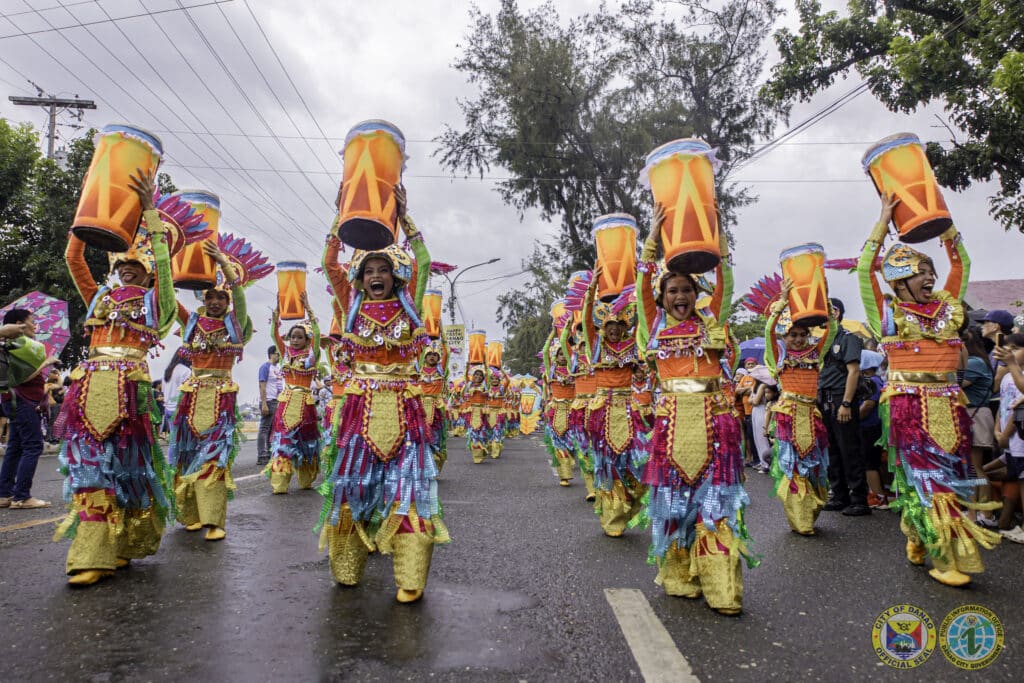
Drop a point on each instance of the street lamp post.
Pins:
(452, 281)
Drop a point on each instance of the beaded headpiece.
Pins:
(622, 309)
(401, 264)
(901, 262)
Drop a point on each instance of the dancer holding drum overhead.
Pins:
(695, 469)
(204, 435)
(382, 490)
(559, 390)
(295, 432)
(117, 481)
(615, 426)
(476, 414)
(924, 415)
(800, 453)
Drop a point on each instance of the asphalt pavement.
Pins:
(529, 590)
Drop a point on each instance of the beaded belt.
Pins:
(690, 385)
(799, 398)
(916, 377)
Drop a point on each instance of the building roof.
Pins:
(990, 294)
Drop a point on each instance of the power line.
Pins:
(53, 28)
(256, 111)
(287, 75)
(104, 73)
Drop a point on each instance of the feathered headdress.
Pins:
(622, 309)
(183, 223)
(762, 295)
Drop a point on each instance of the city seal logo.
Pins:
(971, 637)
(903, 636)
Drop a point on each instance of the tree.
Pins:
(966, 54)
(569, 112)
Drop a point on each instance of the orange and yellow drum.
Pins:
(109, 211)
(374, 156)
(291, 285)
(897, 164)
(615, 240)
(191, 267)
(681, 176)
(558, 311)
(808, 300)
(494, 353)
(477, 347)
(432, 313)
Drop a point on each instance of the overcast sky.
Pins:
(344, 62)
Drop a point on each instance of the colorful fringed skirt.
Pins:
(800, 462)
(116, 479)
(384, 475)
(295, 431)
(697, 498)
(617, 441)
(478, 427)
(203, 444)
(557, 438)
(436, 419)
(929, 441)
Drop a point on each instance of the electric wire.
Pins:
(148, 13)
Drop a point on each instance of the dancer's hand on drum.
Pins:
(889, 202)
(211, 249)
(657, 222)
(305, 304)
(598, 272)
(144, 185)
(401, 202)
(787, 287)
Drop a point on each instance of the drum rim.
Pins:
(291, 266)
(613, 220)
(185, 192)
(812, 247)
(887, 143)
(117, 127)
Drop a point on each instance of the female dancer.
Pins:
(117, 480)
(295, 433)
(923, 411)
(477, 417)
(585, 383)
(433, 371)
(800, 462)
(560, 391)
(204, 439)
(696, 459)
(615, 426)
(382, 489)
(497, 386)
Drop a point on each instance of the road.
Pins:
(529, 590)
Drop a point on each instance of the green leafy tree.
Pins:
(568, 112)
(966, 54)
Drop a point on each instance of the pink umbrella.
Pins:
(51, 318)
(762, 374)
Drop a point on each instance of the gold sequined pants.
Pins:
(346, 549)
(715, 563)
(801, 508)
(98, 544)
(203, 500)
(618, 506)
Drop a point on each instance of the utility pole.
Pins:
(54, 106)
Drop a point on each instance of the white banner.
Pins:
(455, 338)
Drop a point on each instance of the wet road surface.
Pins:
(520, 594)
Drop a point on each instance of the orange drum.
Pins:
(109, 211)
(374, 156)
(193, 269)
(432, 313)
(681, 176)
(897, 164)
(477, 347)
(291, 284)
(558, 314)
(526, 402)
(494, 350)
(615, 240)
(335, 327)
(808, 300)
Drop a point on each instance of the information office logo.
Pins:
(903, 636)
(971, 637)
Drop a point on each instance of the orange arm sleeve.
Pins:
(74, 256)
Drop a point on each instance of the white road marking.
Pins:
(251, 476)
(652, 646)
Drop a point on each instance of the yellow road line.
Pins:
(26, 525)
